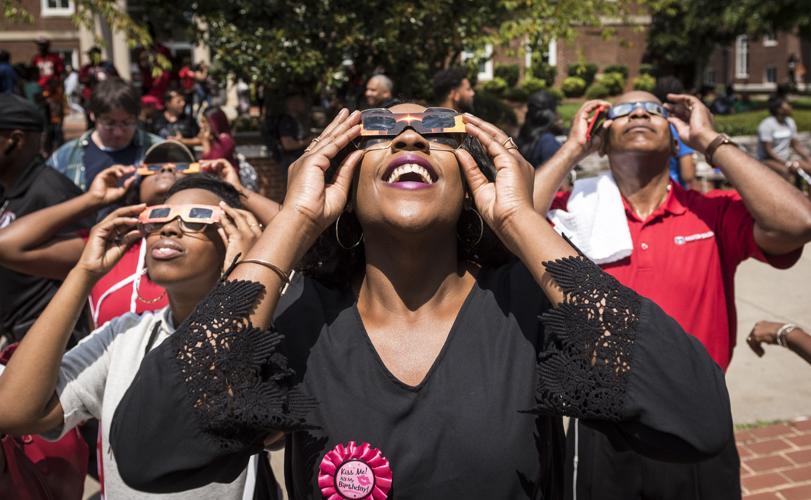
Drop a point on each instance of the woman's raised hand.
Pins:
(499, 202)
(108, 187)
(110, 239)
(239, 231)
(223, 169)
(308, 193)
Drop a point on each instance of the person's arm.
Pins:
(263, 208)
(613, 358)
(800, 149)
(782, 214)
(32, 245)
(765, 332)
(29, 379)
(211, 395)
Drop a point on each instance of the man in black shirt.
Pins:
(26, 185)
(174, 123)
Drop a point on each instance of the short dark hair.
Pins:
(112, 94)
(169, 94)
(775, 102)
(5, 56)
(207, 182)
(447, 80)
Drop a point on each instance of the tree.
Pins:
(683, 33)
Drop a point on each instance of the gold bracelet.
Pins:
(285, 277)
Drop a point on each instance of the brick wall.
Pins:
(627, 48)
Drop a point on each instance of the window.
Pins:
(550, 57)
(69, 57)
(769, 40)
(486, 67)
(771, 74)
(709, 76)
(742, 57)
(57, 8)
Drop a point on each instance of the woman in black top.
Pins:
(423, 369)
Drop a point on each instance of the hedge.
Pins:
(573, 86)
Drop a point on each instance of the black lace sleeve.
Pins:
(235, 376)
(205, 399)
(614, 358)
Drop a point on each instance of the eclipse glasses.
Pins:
(193, 218)
(155, 168)
(443, 128)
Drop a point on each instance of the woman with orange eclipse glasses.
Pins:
(437, 331)
(199, 228)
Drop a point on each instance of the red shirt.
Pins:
(114, 295)
(50, 66)
(684, 258)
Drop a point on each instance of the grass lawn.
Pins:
(738, 124)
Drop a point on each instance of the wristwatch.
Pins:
(716, 143)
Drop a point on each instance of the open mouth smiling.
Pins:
(410, 171)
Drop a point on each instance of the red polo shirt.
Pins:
(684, 259)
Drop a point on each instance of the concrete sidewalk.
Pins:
(778, 385)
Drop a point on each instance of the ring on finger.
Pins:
(316, 139)
(509, 143)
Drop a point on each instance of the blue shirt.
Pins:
(8, 78)
(684, 150)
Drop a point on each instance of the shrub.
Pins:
(509, 73)
(544, 71)
(557, 94)
(614, 82)
(491, 108)
(617, 68)
(585, 71)
(647, 69)
(644, 82)
(573, 86)
(597, 91)
(496, 86)
(517, 94)
(530, 85)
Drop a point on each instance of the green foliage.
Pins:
(491, 108)
(557, 93)
(496, 86)
(617, 68)
(597, 91)
(573, 86)
(613, 82)
(516, 94)
(746, 123)
(584, 71)
(647, 69)
(543, 71)
(509, 73)
(530, 85)
(644, 82)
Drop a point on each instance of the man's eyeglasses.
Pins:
(110, 126)
(193, 218)
(443, 128)
(626, 108)
(154, 168)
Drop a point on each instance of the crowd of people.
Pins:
(412, 321)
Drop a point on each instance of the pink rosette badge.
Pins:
(354, 471)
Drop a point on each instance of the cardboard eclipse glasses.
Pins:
(438, 125)
(193, 218)
(154, 168)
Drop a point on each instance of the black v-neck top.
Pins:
(484, 423)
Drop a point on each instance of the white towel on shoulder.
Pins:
(595, 220)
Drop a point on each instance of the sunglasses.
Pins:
(154, 168)
(443, 128)
(193, 218)
(626, 108)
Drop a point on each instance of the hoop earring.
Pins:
(481, 226)
(141, 299)
(338, 235)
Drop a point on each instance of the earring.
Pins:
(481, 226)
(338, 235)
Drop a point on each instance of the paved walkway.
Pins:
(776, 461)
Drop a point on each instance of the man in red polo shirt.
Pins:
(682, 253)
